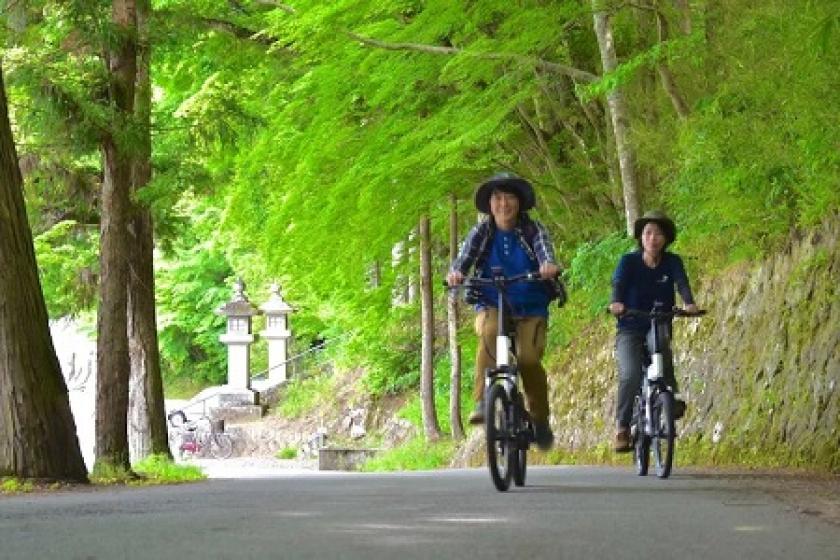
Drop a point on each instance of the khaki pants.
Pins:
(530, 346)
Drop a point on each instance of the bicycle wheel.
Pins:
(523, 431)
(663, 433)
(641, 443)
(500, 444)
(221, 446)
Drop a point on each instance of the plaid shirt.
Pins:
(475, 246)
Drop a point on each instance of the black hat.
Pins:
(505, 182)
(659, 218)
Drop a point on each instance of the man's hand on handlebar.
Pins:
(454, 278)
(549, 270)
(691, 308)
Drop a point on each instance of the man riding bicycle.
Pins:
(509, 239)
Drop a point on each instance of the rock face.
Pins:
(760, 372)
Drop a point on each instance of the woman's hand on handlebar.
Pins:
(691, 308)
(454, 278)
(617, 308)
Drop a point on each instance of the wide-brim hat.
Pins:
(659, 218)
(505, 182)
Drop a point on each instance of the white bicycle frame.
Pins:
(654, 372)
(502, 350)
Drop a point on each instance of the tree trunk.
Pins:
(375, 274)
(112, 361)
(37, 430)
(147, 432)
(669, 83)
(427, 370)
(411, 289)
(456, 428)
(620, 119)
(685, 16)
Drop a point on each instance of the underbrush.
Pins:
(302, 395)
(155, 469)
(415, 454)
(159, 469)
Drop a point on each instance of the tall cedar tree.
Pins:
(457, 428)
(619, 114)
(112, 361)
(427, 375)
(37, 431)
(147, 432)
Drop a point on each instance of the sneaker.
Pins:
(679, 408)
(622, 440)
(543, 436)
(477, 415)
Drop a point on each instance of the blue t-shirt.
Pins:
(641, 287)
(527, 298)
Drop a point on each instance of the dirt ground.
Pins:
(812, 494)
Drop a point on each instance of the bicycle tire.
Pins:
(523, 431)
(221, 446)
(641, 445)
(499, 441)
(664, 435)
(521, 467)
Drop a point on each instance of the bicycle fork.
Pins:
(653, 374)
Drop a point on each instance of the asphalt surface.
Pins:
(562, 513)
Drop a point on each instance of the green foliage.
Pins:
(416, 454)
(287, 453)
(589, 284)
(301, 396)
(105, 473)
(412, 410)
(10, 485)
(159, 469)
(68, 265)
(592, 267)
(759, 155)
(294, 151)
(191, 286)
(392, 355)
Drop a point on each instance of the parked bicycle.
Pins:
(200, 437)
(653, 421)
(509, 431)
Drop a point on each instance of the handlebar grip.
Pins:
(698, 313)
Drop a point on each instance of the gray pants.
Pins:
(630, 350)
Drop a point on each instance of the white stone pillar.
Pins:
(277, 333)
(238, 337)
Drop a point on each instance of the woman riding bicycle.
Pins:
(644, 280)
(511, 240)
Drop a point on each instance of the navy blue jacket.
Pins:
(638, 286)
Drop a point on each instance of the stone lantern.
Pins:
(277, 334)
(238, 338)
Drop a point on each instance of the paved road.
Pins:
(563, 513)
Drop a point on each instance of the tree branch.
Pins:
(272, 3)
(574, 73)
(669, 84)
(238, 31)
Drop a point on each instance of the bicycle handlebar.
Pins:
(654, 314)
(495, 281)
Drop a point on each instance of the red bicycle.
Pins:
(199, 437)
